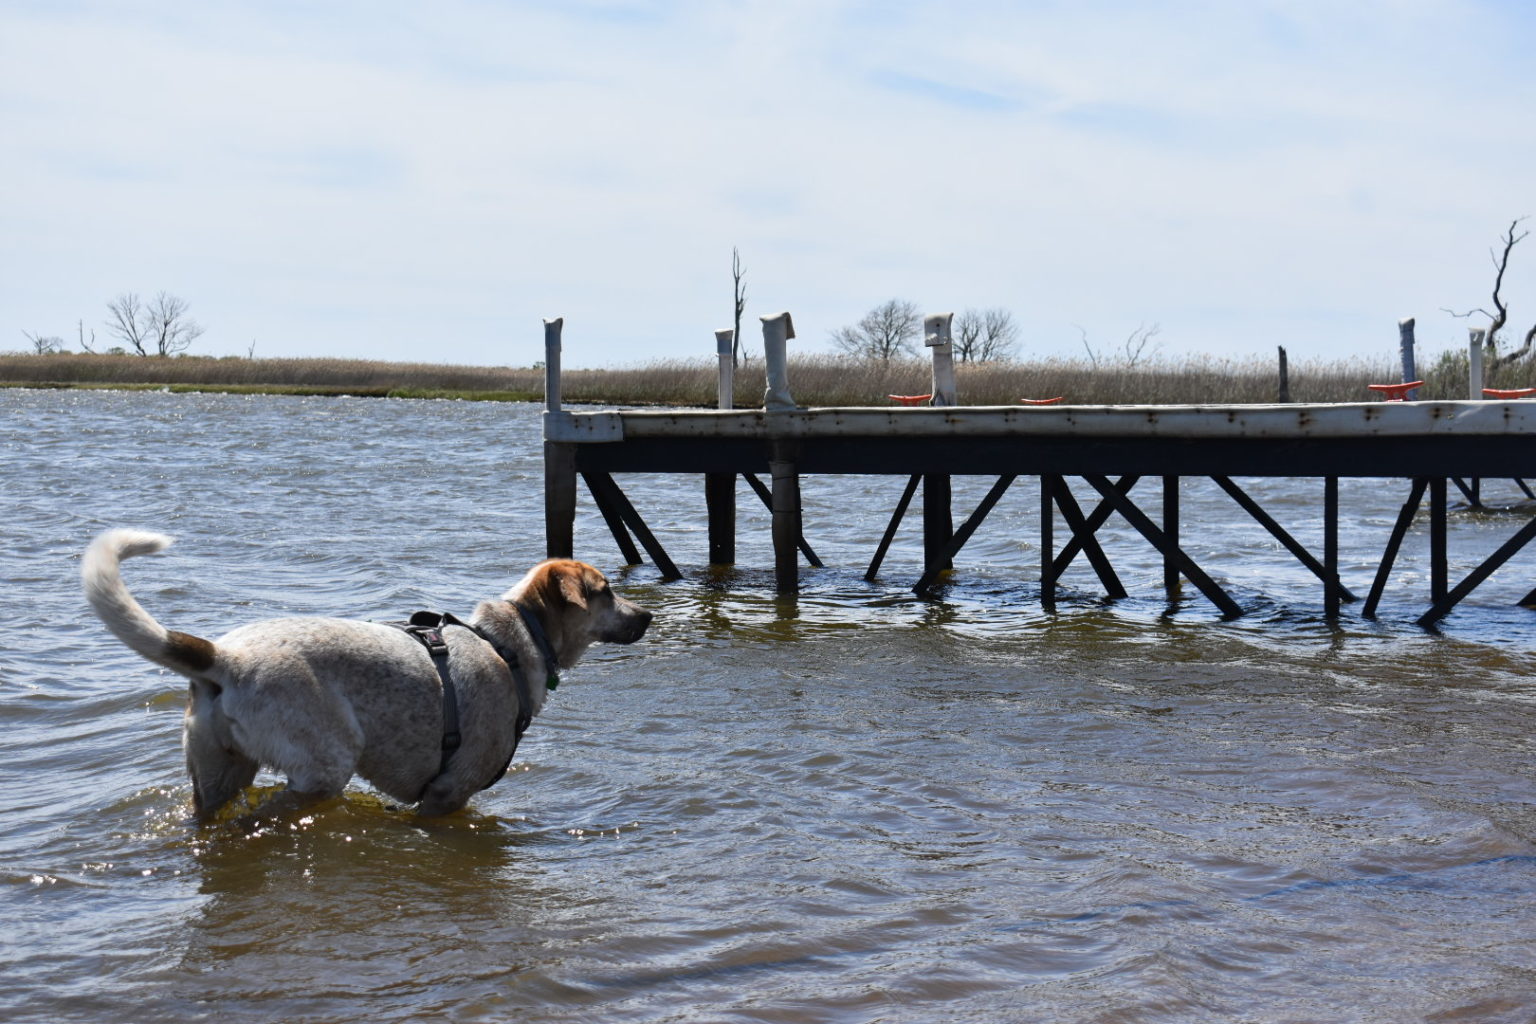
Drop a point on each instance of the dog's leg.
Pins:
(443, 795)
(218, 771)
(286, 803)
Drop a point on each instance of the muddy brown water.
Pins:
(849, 806)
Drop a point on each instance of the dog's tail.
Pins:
(124, 616)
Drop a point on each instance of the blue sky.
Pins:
(428, 181)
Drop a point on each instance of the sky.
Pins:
(427, 182)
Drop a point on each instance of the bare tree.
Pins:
(44, 345)
(883, 332)
(985, 336)
(127, 321)
(737, 275)
(1500, 316)
(171, 328)
(85, 346)
(162, 324)
(1139, 345)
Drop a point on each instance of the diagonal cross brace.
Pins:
(1159, 540)
(963, 534)
(1279, 532)
(604, 489)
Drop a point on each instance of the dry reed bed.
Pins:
(819, 380)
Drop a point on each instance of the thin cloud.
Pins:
(336, 180)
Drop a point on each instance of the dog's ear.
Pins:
(573, 586)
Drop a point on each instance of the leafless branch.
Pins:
(44, 345)
(883, 332)
(1463, 316)
(738, 273)
(986, 335)
(172, 329)
(126, 321)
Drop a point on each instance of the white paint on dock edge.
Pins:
(1354, 419)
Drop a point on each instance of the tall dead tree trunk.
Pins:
(737, 274)
(1500, 315)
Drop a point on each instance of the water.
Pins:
(851, 806)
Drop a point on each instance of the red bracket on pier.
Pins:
(1509, 392)
(909, 399)
(1042, 401)
(1396, 392)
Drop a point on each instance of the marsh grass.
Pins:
(816, 380)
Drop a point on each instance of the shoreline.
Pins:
(816, 380)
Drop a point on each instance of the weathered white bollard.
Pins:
(1405, 349)
(777, 330)
(936, 335)
(559, 459)
(1475, 363)
(725, 395)
(552, 363)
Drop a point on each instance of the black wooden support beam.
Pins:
(1506, 551)
(559, 500)
(762, 491)
(1083, 535)
(1291, 544)
(1394, 542)
(1097, 518)
(720, 506)
(1048, 573)
(784, 505)
(1333, 590)
(1473, 491)
(938, 522)
(890, 530)
(604, 490)
(1186, 565)
(613, 515)
(945, 555)
(1171, 528)
(1439, 574)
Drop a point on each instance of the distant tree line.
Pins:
(891, 330)
(161, 326)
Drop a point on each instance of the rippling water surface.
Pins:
(851, 806)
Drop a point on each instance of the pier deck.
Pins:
(1432, 444)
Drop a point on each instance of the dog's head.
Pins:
(578, 608)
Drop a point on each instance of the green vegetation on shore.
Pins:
(816, 380)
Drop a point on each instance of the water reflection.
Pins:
(360, 900)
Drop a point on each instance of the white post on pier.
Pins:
(936, 335)
(1475, 363)
(726, 395)
(1405, 349)
(559, 459)
(552, 363)
(777, 330)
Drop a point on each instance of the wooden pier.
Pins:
(1429, 448)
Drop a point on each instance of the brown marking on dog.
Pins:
(194, 652)
(561, 582)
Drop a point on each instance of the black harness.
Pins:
(427, 627)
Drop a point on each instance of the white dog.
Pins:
(323, 699)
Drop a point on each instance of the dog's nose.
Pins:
(638, 624)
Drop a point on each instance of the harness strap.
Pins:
(427, 628)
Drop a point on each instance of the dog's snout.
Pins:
(633, 623)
